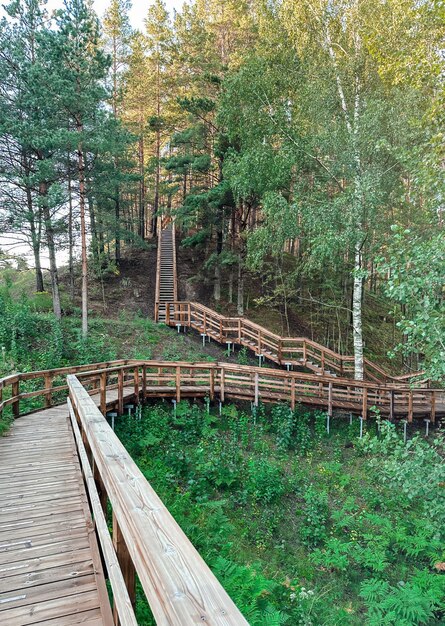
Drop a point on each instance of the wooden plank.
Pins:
(48, 591)
(51, 609)
(23, 579)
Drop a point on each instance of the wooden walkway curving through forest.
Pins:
(78, 518)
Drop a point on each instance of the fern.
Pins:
(251, 592)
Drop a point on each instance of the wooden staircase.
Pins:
(166, 280)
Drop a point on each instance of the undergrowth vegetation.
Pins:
(302, 527)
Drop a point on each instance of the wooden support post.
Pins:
(212, 384)
(257, 390)
(156, 311)
(304, 352)
(136, 384)
(391, 404)
(190, 313)
(120, 391)
(127, 567)
(292, 393)
(322, 362)
(167, 314)
(100, 490)
(259, 342)
(16, 404)
(48, 394)
(433, 406)
(204, 321)
(365, 403)
(103, 393)
(330, 399)
(410, 406)
(239, 330)
(144, 383)
(221, 338)
(178, 384)
(222, 390)
(280, 351)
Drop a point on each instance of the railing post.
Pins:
(205, 321)
(322, 362)
(212, 384)
(433, 406)
(239, 330)
(220, 331)
(292, 393)
(127, 567)
(167, 313)
(222, 385)
(280, 350)
(136, 384)
(120, 391)
(178, 383)
(16, 404)
(304, 352)
(144, 382)
(257, 391)
(156, 312)
(48, 394)
(330, 399)
(365, 403)
(103, 393)
(391, 404)
(100, 489)
(410, 406)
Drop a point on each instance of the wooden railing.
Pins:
(296, 351)
(177, 380)
(147, 541)
(179, 586)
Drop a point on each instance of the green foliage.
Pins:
(307, 530)
(414, 267)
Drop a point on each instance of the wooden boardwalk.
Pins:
(50, 567)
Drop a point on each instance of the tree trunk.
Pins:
(35, 241)
(70, 235)
(217, 283)
(83, 232)
(240, 294)
(357, 314)
(117, 235)
(141, 189)
(43, 192)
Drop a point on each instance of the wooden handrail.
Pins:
(279, 349)
(179, 586)
(123, 609)
(167, 379)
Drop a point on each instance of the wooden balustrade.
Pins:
(294, 350)
(179, 586)
(150, 379)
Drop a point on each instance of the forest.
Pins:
(297, 145)
(298, 149)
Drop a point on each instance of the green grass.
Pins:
(301, 527)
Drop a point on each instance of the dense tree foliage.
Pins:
(292, 141)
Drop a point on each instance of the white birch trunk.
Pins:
(357, 314)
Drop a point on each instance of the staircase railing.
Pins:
(295, 351)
